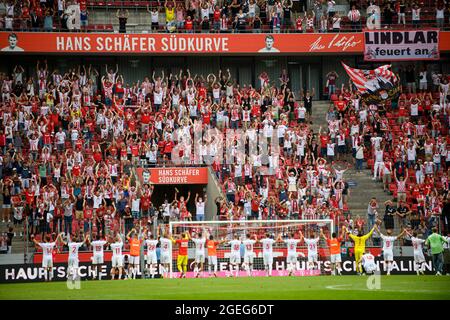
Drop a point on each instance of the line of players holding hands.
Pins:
(202, 240)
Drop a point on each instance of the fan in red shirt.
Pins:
(168, 146)
(29, 197)
(323, 144)
(299, 24)
(189, 24)
(340, 105)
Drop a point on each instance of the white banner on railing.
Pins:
(398, 45)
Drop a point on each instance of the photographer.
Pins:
(9, 238)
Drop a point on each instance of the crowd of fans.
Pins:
(232, 15)
(71, 141)
(406, 144)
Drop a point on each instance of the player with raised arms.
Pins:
(335, 251)
(47, 254)
(98, 255)
(360, 246)
(135, 252)
(249, 254)
(73, 262)
(267, 244)
(182, 260)
(419, 259)
(311, 244)
(291, 259)
(152, 259)
(235, 255)
(166, 254)
(211, 246)
(388, 246)
(117, 258)
(199, 241)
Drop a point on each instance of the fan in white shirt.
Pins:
(388, 246)
(235, 255)
(249, 254)
(267, 244)
(311, 244)
(73, 263)
(47, 255)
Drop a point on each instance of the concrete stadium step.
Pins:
(319, 112)
(360, 195)
(18, 242)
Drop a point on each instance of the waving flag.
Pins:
(375, 86)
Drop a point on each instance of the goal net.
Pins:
(248, 258)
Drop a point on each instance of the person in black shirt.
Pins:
(307, 100)
(122, 15)
(403, 213)
(287, 7)
(262, 13)
(303, 4)
(35, 20)
(389, 214)
(400, 168)
(388, 14)
(256, 24)
(219, 202)
(241, 21)
(205, 25)
(10, 236)
(410, 76)
(190, 12)
(401, 12)
(446, 215)
(235, 7)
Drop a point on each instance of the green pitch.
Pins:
(324, 287)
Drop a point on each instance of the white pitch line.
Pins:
(338, 287)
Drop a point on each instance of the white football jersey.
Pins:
(388, 242)
(166, 245)
(97, 246)
(199, 245)
(73, 249)
(235, 246)
(47, 248)
(151, 246)
(368, 260)
(312, 245)
(291, 245)
(117, 249)
(417, 244)
(248, 244)
(267, 244)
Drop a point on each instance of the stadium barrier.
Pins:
(34, 273)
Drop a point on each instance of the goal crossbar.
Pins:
(281, 223)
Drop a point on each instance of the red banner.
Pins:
(181, 43)
(100, 43)
(175, 175)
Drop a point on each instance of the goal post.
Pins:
(225, 231)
